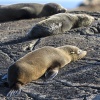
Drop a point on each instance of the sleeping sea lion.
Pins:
(59, 24)
(47, 60)
(29, 10)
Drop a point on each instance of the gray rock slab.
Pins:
(79, 80)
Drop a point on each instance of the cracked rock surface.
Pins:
(79, 80)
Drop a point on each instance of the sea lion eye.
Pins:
(72, 52)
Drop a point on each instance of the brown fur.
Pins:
(36, 63)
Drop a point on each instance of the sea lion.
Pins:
(59, 23)
(47, 60)
(29, 10)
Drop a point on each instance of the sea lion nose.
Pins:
(85, 52)
(62, 10)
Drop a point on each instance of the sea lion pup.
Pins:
(59, 23)
(47, 60)
(29, 10)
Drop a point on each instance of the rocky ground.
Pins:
(76, 81)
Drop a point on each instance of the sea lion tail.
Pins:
(15, 90)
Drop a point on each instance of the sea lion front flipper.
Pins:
(50, 74)
(13, 92)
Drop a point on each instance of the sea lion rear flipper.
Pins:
(3, 81)
(13, 92)
(15, 89)
(4, 77)
(50, 74)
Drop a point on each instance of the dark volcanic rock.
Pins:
(76, 81)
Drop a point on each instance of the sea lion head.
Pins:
(53, 8)
(74, 52)
(84, 20)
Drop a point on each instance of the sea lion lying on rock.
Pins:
(47, 60)
(29, 10)
(58, 24)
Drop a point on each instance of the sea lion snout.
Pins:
(82, 53)
(62, 10)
